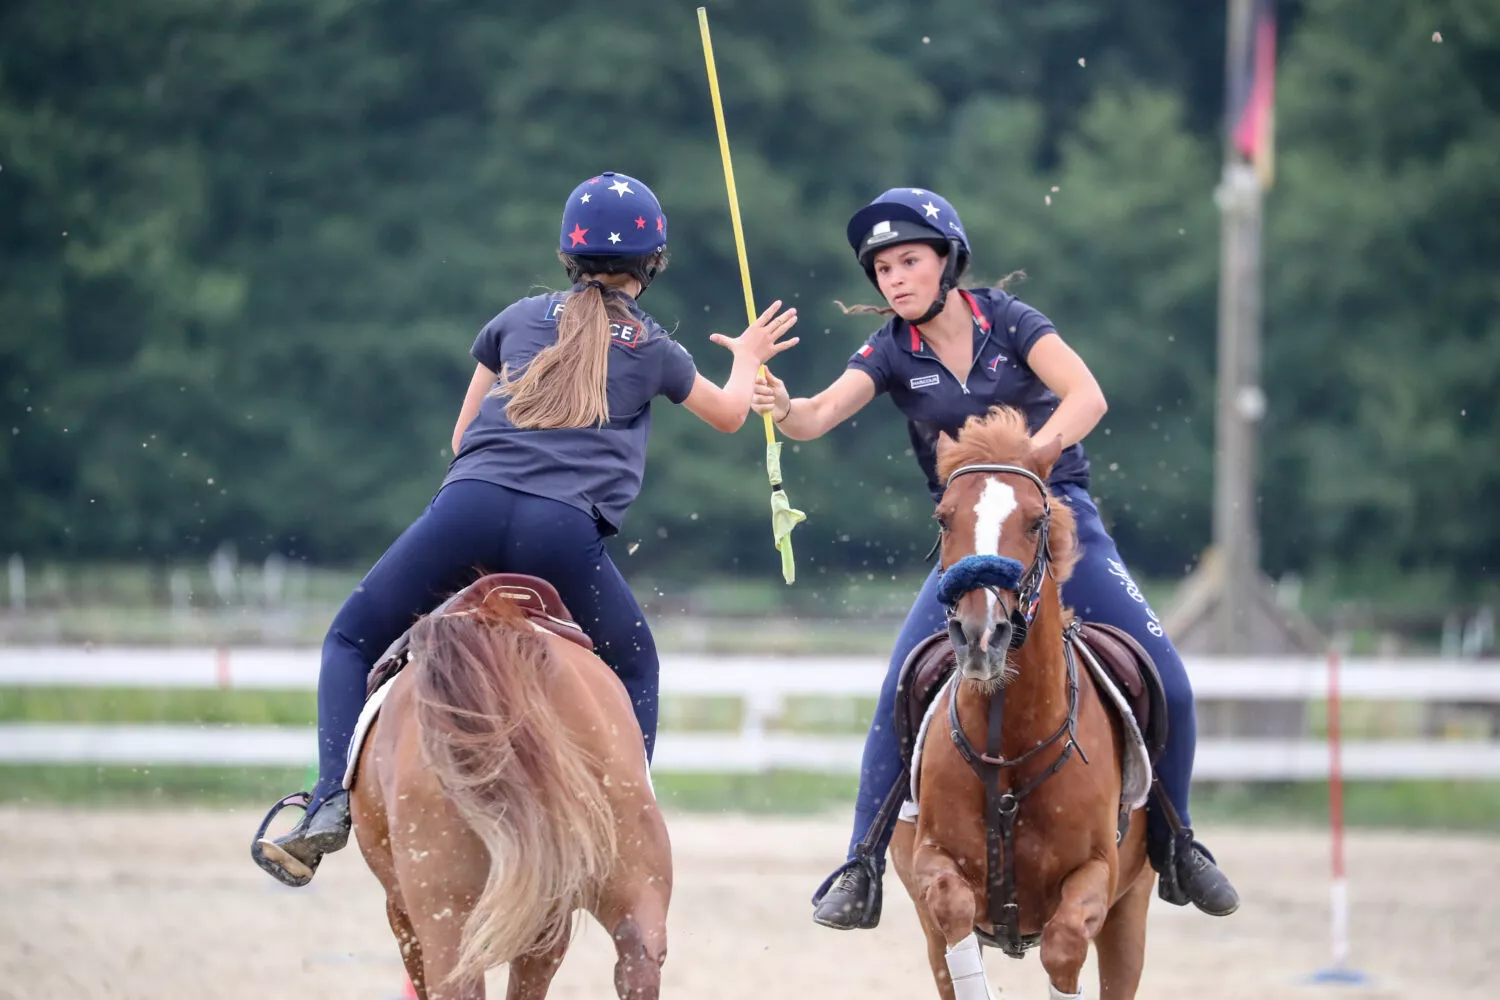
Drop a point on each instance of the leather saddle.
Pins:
(1134, 673)
(537, 599)
(930, 663)
(1131, 668)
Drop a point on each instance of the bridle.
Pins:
(991, 573)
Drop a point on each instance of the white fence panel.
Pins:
(763, 684)
(724, 753)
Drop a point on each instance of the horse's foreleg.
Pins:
(1121, 942)
(1080, 913)
(937, 950)
(947, 906)
(902, 853)
(531, 975)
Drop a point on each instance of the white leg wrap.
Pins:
(1053, 993)
(966, 969)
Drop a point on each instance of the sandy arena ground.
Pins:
(159, 905)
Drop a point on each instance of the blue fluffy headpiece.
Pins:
(974, 572)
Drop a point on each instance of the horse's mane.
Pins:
(1000, 437)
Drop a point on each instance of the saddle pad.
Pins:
(1135, 763)
(362, 728)
(1134, 674)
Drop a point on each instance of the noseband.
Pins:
(994, 573)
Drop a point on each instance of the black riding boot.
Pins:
(293, 857)
(850, 898)
(1186, 873)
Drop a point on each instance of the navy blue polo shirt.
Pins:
(933, 400)
(596, 469)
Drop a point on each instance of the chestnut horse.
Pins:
(503, 787)
(1019, 781)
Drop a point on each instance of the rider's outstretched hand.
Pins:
(761, 339)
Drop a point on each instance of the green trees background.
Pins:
(245, 245)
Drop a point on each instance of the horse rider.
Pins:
(549, 452)
(946, 354)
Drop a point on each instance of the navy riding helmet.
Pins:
(613, 224)
(911, 215)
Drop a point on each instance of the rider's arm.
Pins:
(478, 386)
(1081, 402)
(725, 408)
(805, 418)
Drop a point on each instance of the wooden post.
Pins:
(1241, 402)
(1227, 607)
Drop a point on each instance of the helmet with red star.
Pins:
(612, 224)
(911, 215)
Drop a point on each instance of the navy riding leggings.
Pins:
(471, 528)
(1099, 590)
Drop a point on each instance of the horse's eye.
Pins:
(942, 520)
(1035, 528)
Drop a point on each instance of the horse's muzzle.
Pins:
(981, 643)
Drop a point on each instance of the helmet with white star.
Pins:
(613, 224)
(612, 215)
(911, 215)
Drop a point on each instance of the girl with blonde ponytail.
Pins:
(549, 452)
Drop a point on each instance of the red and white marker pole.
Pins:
(1339, 899)
(1338, 909)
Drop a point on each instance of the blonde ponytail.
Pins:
(565, 385)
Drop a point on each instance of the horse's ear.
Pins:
(945, 441)
(1047, 455)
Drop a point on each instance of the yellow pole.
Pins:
(734, 199)
(783, 516)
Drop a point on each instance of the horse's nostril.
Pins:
(1000, 636)
(957, 636)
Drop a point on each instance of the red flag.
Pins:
(1252, 102)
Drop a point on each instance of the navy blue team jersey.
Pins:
(595, 469)
(934, 400)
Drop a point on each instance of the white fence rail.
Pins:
(763, 685)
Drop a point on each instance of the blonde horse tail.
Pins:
(493, 737)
